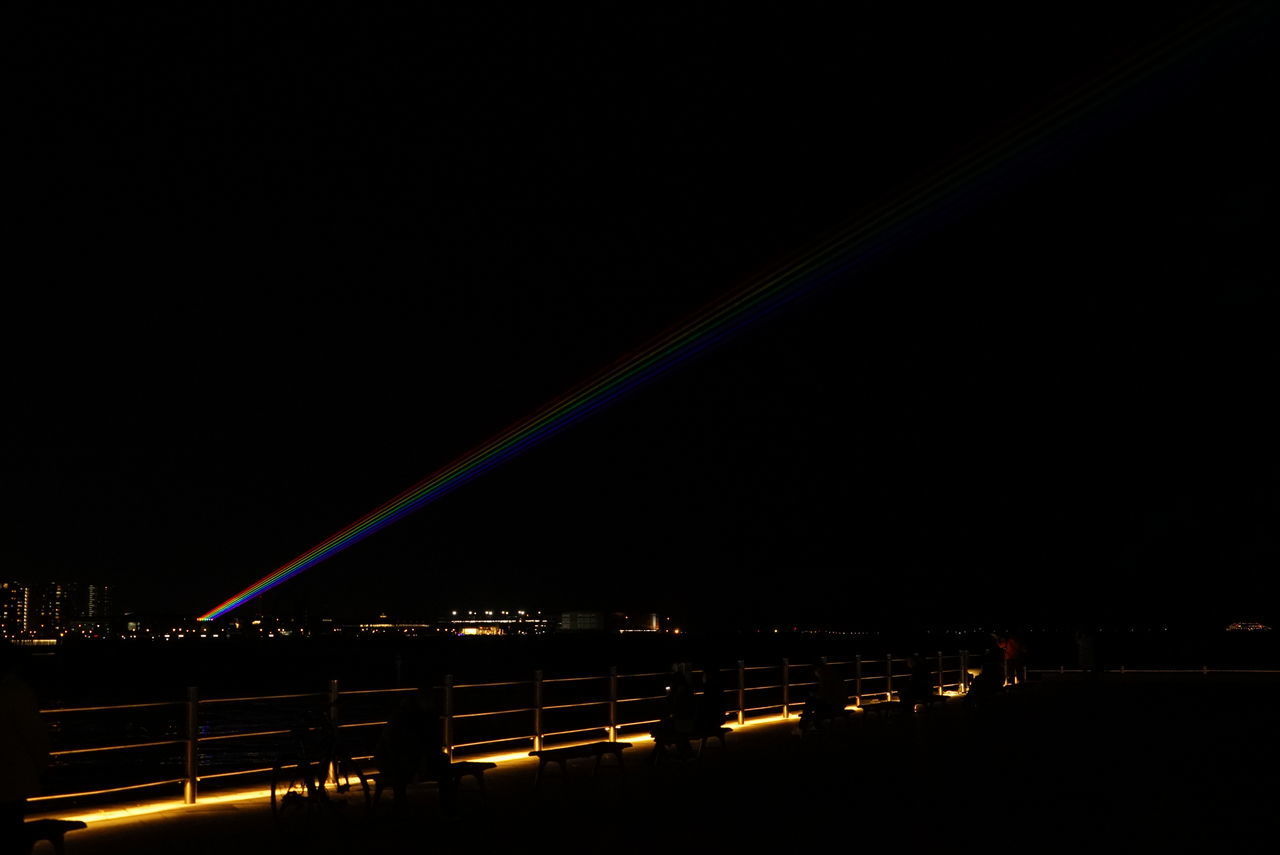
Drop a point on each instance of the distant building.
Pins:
(495, 621)
(98, 602)
(581, 622)
(1248, 626)
(14, 598)
(49, 608)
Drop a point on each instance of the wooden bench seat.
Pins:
(597, 750)
(663, 737)
(51, 830)
(448, 781)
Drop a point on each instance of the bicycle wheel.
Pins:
(293, 790)
(349, 786)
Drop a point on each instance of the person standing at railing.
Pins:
(1014, 658)
(24, 749)
(920, 683)
(679, 716)
(1087, 651)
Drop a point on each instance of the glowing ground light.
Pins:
(912, 212)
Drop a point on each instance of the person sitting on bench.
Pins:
(829, 698)
(412, 744)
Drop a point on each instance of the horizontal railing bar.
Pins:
(575, 730)
(492, 685)
(647, 674)
(575, 679)
(642, 698)
(491, 741)
(362, 724)
(374, 691)
(573, 706)
(213, 775)
(262, 698)
(493, 712)
(112, 707)
(247, 735)
(98, 748)
(103, 792)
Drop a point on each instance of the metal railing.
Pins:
(871, 680)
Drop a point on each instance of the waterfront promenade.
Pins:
(1147, 763)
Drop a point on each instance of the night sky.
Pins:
(266, 270)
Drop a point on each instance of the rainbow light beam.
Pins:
(938, 194)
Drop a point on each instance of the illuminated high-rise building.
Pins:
(98, 602)
(48, 608)
(14, 597)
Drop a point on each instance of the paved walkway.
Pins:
(1163, 765)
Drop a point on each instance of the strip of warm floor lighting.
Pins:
(175, 805)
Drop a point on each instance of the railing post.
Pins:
(742, 692)
(964, 672)
(537, 710)
(191, 770)
(940, 683)
(857, 679)
(332, 771)
(613, 703)
(448, 717)
(786, 688)
(1005, 665)
(888, 676)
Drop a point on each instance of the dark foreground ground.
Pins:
(1145, 765)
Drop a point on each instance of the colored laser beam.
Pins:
(941, 193)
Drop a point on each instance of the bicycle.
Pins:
(316, 773)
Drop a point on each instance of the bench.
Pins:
(51, 830)
(814, 722)
(663, 737)
(463, 768)
(597, 750)
(925, 700)
(449, 781)
(884, 709)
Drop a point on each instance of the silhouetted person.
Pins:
(680, 699)
(1014, 658)
(412, 744)
(919, 686)
(991, 678)
(709, 711)
(829, 697)
(678, 717)
(24, 749)
(1087, 651)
